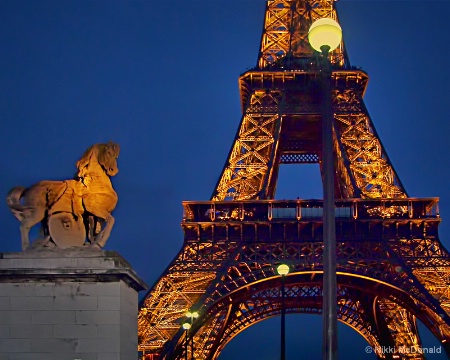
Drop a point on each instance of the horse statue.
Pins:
(71, 209)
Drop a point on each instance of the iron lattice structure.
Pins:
(391, 266)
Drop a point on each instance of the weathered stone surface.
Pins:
(18, 331)
(4, 331)
(53, 317)
(71, 304)
(32, 303)
(4, 303)
(108, 303)
(98, 317)
(15, 317)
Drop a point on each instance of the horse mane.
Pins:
(107, 151)
(103, 153)
(83, 163)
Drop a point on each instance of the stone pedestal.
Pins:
(68, 304)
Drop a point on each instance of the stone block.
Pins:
(108, 303)
(14, 345)
(66, 289)
(44, 289)
(25, 303)
(15, 317)
(77, 356)
(53, 345)
(110, 356)
(98, 345)
(73, 331)
(97, 317)
(4, 332)
(98, 289)
(4, 303)
(53, 317)
(108, 331)
(75, 303)
(14, 289)
(30, 331)
(28, 356)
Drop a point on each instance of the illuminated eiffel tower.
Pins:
(391, 267)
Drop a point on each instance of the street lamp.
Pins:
(191, 315)
(283, 270)
(324, 36)
(326, 33)
(186, 327)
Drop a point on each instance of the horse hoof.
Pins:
(95, 245)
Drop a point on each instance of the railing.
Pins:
(305, 210)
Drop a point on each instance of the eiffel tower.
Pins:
(391, 266)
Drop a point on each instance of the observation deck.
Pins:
(301, 220)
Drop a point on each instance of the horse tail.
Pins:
(13, 202)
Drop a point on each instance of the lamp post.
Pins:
(191, 315)
(324, 36)
(283, 270)
(186, 327)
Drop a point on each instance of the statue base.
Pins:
(68, 304)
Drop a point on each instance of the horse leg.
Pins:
(100, 205)
(24, 230)
(101, 238)
(92, 223)
(27, 223)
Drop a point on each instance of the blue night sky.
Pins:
(160, 79)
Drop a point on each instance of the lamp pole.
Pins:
(283, 320)
(191, 315)
(324, 36)
(329, 232)
(283, 270)
(186, 327)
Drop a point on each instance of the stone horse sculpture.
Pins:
(68, 209)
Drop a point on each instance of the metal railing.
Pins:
(304, 210)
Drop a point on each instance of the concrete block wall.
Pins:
(73, 313)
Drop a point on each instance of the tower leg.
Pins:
(401, 328)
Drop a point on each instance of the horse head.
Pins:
(107, 157)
